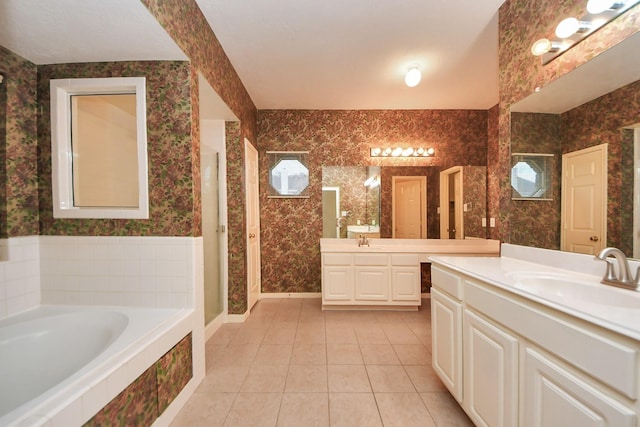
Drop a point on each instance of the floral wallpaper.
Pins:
(537, 133)
(291, 228)
(3, 155)
(19, 207)
(494, 179)
(188, 27)
(169, 144)
(521, 22)
(173, 371)
(354, 197)
(601, 121)
(474, 191)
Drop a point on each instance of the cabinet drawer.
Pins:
(337, 259)
(589, 350)
(448, 282)
(404, 259)
(372, 259)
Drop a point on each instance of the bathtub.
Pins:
(52, 357)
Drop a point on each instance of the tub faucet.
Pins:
(624, 278)
(363, 241)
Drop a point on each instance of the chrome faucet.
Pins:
(624, 278)
(363, 241)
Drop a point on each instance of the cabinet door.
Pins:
(405, 283)
(553, 396)
(372, 283)
(446, 340)
(490, 360)
(337, 283)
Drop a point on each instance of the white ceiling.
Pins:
(298, 54)
(337, 54)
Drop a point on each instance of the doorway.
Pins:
(331, 212)
(584, 200)
(409, 207)
(451, 205)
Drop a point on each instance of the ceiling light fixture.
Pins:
(542, 46)
(402, 152)
(598, 6)
(570, 26)
(413, 76)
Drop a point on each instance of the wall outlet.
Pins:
(484, 222)
(492, 222)
(345, 213)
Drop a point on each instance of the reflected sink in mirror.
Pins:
(568, 288)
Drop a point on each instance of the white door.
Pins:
(331, 212)
(253, 224)
(584, 200)
(409, 207)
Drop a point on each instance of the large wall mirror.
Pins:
(368, 200)
(99, 148)
(597, 105)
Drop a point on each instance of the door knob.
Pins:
(252, 235)
(594, 238)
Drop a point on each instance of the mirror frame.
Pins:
(61, 149)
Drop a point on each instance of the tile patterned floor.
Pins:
(291, 364)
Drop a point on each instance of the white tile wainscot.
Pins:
(385, 274)
(20, 275)
(519, 341)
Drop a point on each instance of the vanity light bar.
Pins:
(402, 152)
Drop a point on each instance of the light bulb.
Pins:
(376, 151)
(407, 151)
(598, 6)
(396, 152)
(386, 152)
(413, 76)
(540, 47)
(430, 152)
(567, 28)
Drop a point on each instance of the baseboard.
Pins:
(291, 295)
(213, 326)
(237, 318)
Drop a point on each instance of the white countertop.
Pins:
(613, 308)
(420, 246)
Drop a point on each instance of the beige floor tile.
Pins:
(273, 354)
(389, 378)
(306, 378)
(241, 354)
(249, 335)
(344, 354)
(225, 334)
(425, 379)
(399, 333)
(373, 334)
(254, 410)
(265, 378)
(445, 410)
(348, 379)
(224, 379)
(379, 354)
(309, 354)
(310, 333)
(340, 333)
(281, 333)
(353, 409)
(410, 354)
(202, 409)
(403, 410)
(212, 354)
(304, 409)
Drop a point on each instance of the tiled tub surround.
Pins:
(134, 273)
(564, 348)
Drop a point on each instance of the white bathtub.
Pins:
(51, 356)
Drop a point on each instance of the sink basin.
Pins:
(561, 287)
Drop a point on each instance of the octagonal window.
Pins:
(531, 176)
(288, 175)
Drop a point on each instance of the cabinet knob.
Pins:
(252, 235)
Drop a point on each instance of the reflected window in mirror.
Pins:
(288, 174)
(531, 176)
(99, 148)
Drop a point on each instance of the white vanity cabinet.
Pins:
(370, 279)
(511, 361)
